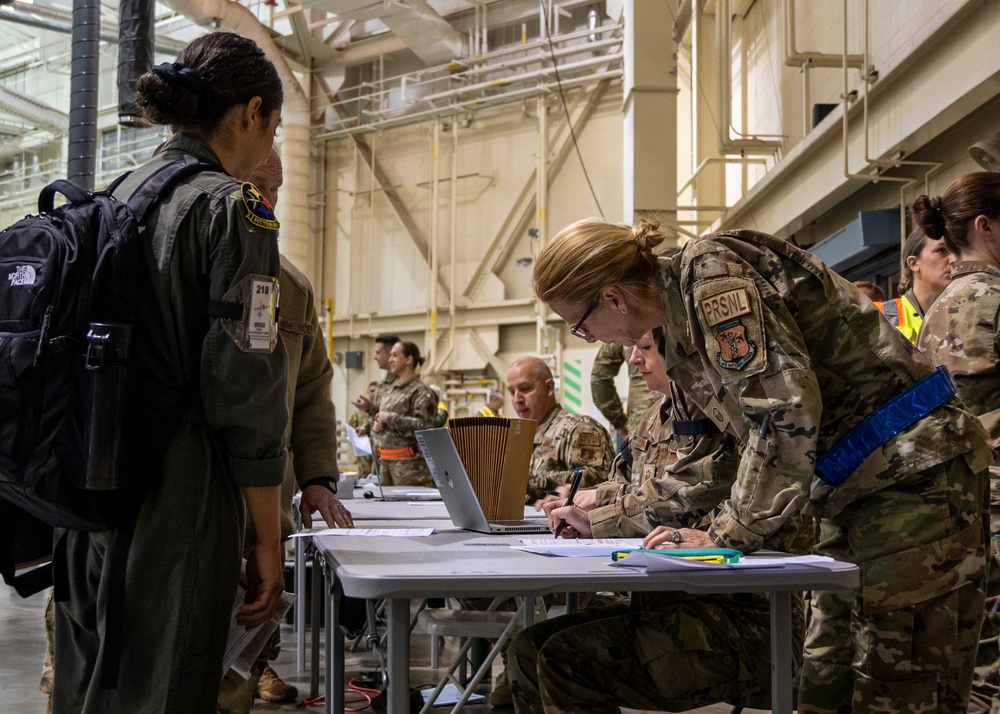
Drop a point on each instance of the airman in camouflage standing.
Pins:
(805, 372)
(404, 407)
(607, 364)
(383, 344)
(362, 423)
(563, 440)
(960, 331)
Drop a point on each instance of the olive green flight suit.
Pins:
(184, 561)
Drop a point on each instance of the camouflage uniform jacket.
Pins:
(411, 406)
(960, 331)
(684, 477)
(374, 406)
(360, 419)
(564, 441)
(607, 364)
(755, 326)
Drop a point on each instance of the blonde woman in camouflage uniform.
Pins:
(669, 651)
(793, 360)
(962, 331)
(406, 405)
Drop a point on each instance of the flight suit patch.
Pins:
(258, 211)
(730, 315)
(642, 443)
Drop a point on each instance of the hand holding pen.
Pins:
(577, 477)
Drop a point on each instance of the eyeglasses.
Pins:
(578, 330)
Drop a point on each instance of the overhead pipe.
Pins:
(463, 106)
(135, 55)
(866, 77)
(86, 67)
(794, 58)
(453, 237)
(293, 209)
(541, 200)
(748, 144)
(432, 340)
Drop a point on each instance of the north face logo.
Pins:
(22, 275)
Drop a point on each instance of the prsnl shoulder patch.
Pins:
(258, 211)
(730, 314)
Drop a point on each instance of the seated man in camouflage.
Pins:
(662, 651)
(563, 440)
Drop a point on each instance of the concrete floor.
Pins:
(22, 645)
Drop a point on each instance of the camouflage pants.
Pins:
(673, 652)
(364, 466)
(986, 678)
(405, 472)
(906, 641)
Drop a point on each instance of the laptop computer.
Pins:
(456, 489)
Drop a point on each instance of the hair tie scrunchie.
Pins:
(189, 79)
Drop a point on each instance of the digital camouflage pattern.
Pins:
(412, 405)
(607, 365)
(563, 441)
(960, 331)
(683, 477)
(650, 445)
(362, 419)
(756, 326)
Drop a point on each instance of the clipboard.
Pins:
(724, 556)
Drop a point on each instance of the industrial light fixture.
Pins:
(986, 153)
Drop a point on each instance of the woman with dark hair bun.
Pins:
(407, 405)
(211, 380)
(841, 418)
(962, 332)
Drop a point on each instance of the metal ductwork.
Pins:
(39, 114)
(424, 31)
(135, 55)
(82, 157)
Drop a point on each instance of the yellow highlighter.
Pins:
(717, 556)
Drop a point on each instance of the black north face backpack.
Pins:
(69, 284)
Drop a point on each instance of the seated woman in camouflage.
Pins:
(663, 650)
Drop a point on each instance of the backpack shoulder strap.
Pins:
(151, 191)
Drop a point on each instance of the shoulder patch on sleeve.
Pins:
(258, 211)
(730, 314)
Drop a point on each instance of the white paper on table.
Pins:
(362, 445)
(393, 532)
(244, 646)
(656, 563)
(449, 696)
(577, 547)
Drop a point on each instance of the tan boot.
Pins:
(270, 688)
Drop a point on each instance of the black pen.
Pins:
(577, 475)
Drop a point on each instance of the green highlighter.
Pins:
(722, 556)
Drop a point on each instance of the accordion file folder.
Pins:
(496, 452)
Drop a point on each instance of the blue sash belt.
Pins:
(898, 413)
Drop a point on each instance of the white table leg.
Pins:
(300, 598)
(781, 652)
(398, 615)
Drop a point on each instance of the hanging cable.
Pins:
(569, 120)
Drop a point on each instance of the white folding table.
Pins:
(455, 563)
